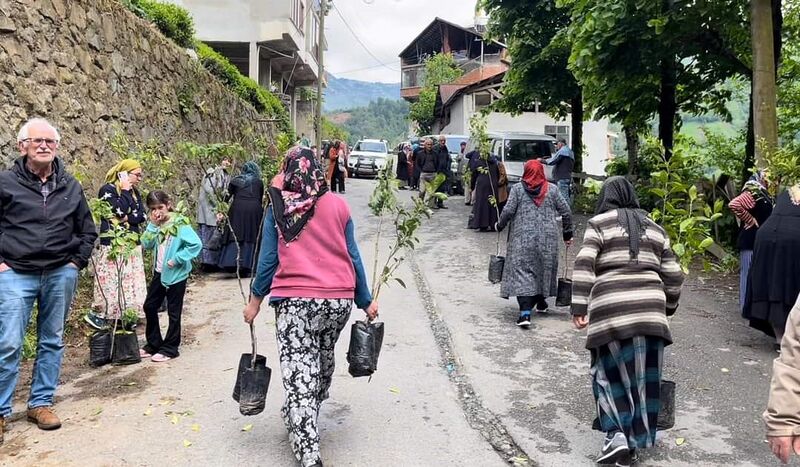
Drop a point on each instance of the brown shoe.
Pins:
(44, 418)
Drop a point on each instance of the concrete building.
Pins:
(481, 85)
(274, 42)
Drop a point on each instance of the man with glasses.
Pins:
(46, 236)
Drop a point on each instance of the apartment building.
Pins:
(274, 42)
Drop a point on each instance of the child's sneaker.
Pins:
(95, 321)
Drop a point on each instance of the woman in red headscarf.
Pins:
(531, 268)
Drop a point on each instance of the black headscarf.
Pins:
(618, 193)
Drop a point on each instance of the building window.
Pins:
(558, 131)
(299, 14)
(482, 100)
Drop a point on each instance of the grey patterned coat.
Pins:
(206, 205)
(531, 266)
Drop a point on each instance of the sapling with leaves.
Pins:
(406, 221)
(682, 211)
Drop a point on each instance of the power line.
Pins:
(358, 39)
(361, 69)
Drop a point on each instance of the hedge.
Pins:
(173, 21)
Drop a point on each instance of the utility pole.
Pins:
(765, 120)
(323, 11)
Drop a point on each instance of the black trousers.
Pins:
(527, 303)
(337, 180)
(156, 292)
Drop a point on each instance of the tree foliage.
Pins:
(331, 131)
(439, 69)
(383, 118)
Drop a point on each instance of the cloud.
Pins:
(386, 27)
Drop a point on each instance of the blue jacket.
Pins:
(183, 249)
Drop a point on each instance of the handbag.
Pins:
(496, 264)
(564, 293)
(365, 348)
(215, 242)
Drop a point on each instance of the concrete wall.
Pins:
(91, 66)
(595, 133)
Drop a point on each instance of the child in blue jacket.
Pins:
(175, 245)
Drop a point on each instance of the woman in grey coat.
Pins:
(213, 187)
(531, 268)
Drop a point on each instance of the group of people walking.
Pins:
(48, 234)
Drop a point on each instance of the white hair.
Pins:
(23, 132)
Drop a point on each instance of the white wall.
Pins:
(595, 133)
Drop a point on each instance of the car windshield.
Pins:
(367, 146)
(522, 150)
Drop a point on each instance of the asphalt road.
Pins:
(458, 383)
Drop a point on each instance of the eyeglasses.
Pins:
(38, 141)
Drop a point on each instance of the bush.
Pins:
(173, 21)
(264, 101)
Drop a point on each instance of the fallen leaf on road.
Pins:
(394, 390)
(97, 411)
(166, 401)
(186, 443)
(132, 383)
(725, 370)
(148, 412)
(187, 413)
(175, 419)
(195, 427)
(247, 427)
(680, 441)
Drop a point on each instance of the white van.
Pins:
(515, 148)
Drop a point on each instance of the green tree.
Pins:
(639, 59)
(331, 131)
(383, 118)
(539, 46)
(439, 69)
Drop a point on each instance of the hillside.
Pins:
(345, 94)
(382, 118)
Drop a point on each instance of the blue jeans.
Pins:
(565, 186)
(53, 290)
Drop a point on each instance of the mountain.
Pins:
(344, 94)
(381, 118)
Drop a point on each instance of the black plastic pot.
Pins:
(252, 381)
(100, 348)
(126, 349)
(496, 264)
(365, 348)
(666, 415)
(564, 293)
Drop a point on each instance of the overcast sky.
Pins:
(386, 27)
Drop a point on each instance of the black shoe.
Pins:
(524, 320)
(615, 447)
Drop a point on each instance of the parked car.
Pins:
(515, 148)
(367, 158)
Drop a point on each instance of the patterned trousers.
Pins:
(307, 331)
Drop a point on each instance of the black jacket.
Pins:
(124, 203)
(38, 235)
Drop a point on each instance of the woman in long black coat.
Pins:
(774, 280)
(402, 166)
(244, 220)
(484, 182)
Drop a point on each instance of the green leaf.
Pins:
(707, 242)
(400, 281)
(679, 249)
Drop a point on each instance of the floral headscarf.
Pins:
(303, 183)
